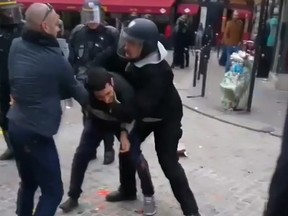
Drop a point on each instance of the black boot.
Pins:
(69, 205)
(7, 155)
(117, 196)
(109, 157)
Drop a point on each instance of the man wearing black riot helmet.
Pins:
(159, 107)
(93, 45)
(10, 28)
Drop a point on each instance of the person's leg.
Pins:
(109, 153)
(48, 175)
(167, 136)
(187, 57)
(229, 51)
(4, 108)
(127, 171)
(90, 140)
(136, 137)
(181, 57)
(24, 162)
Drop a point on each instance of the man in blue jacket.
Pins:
(39, 77)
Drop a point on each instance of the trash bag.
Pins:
(235, 85)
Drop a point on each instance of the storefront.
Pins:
(282, 63)
(280, 73)
(161, 10)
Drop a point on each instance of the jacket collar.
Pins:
(39, 38)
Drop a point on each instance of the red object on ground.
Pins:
(103, 193)
(191, 9)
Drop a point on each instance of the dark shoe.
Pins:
(117, 196)
(109, 157)
(7, 155)
(69, 205)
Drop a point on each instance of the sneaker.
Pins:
(69, 205)
(149, 207)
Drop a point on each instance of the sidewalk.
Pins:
(268, 108)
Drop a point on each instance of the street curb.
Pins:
(229, 122)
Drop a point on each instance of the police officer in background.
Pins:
(158, 105)
(10, 28)
(90, 46)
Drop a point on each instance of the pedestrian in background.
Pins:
(39, 77)
(233, 34)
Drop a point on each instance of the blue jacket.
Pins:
(40, 77)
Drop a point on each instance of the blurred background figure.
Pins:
(181, 41)
(10, 27)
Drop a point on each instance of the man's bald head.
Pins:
(42, 17)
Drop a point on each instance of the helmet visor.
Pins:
(128, 47)
(10, 15)
(91, 14)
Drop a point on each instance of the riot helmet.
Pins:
(10, 12)
(92, 12)
(140, 32)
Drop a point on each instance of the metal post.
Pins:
(204, 72)
(258, 52)
(200, 64)
(195, 68)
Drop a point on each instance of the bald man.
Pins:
(39, 77)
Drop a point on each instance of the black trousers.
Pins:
(93, 132)
(278, 193)
(167, 135)
(108, 138)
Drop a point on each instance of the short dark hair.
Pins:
(98, 77)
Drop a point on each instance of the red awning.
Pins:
(191, 9)
(138, 6)
(57, 4)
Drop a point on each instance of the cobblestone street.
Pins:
(229, 170)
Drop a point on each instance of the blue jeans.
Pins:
(229, 51)
(38, 166)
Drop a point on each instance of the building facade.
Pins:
(280, 70)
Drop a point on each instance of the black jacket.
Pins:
(123, 110)
(155, 94)
(39, 76)
(7, 34)
(92, 47)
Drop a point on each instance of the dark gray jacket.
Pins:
(40, 77)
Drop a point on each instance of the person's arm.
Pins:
(226, 33)
(70, 85)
